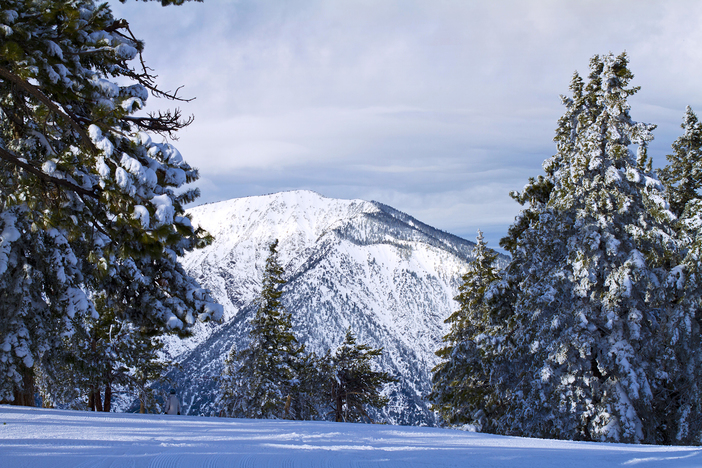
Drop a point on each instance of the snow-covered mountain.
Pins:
(353, 263)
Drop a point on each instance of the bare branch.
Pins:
(164, 123)
(119, 24)
(145, 78)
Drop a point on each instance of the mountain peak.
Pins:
(348, 263)
(305, 213)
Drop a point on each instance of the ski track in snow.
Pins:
(37, 438)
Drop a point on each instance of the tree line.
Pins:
(275, 377)
(592, 331)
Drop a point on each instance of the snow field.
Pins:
(35, 437)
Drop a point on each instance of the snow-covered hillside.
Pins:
(348, 263)
(44, 438)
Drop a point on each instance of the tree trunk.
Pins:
(143, 397)
(98, 400)
(339, 405)
(24, 394)
(94, 399)
(286, 410)
(108, 398)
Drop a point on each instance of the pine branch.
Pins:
(15, 160)
(36, 92)
(145, 78)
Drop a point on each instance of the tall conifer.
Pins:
(352, 384)
(683, 174)
(590, 257)
(681, 394)
(260, 381)
(462, 392)
(89, 203)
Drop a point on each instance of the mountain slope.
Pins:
(348, 263)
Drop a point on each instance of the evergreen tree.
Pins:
(680, 398)
(682, 361)
(308, 401)
(681, 403)
(683, 174)
(99, 356)
(146, 367)
(462, 391)
(88, 201)
(261, 380)
(353, 384)
(590, 256)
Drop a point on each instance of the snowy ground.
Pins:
(33, 437)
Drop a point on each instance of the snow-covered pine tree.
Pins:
(140, 351)
(353, 384)
(682, 363)
(87, 198)
(92, 363)
(682, 176)
(80, 367)
(504, 360)
(680, 393)
(536, 244)
(588, 271)
(462, 391)
(130, 356)
(261, 380)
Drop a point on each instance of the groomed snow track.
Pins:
(34, 437)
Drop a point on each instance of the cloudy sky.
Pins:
(438, 108)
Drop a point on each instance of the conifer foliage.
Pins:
(353, 384)
(461, 383)
(683, 174)
(88, 201)
(100, 356)
(681, 329)
(598, 332)
(275, 378)
(261, 380)
(589, 271)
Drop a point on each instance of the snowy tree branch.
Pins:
(11, 158)
(34, 91)
(168, 122)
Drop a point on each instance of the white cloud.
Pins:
(438, 108)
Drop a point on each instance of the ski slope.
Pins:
(34, 437)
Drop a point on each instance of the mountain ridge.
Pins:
(355, 263)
